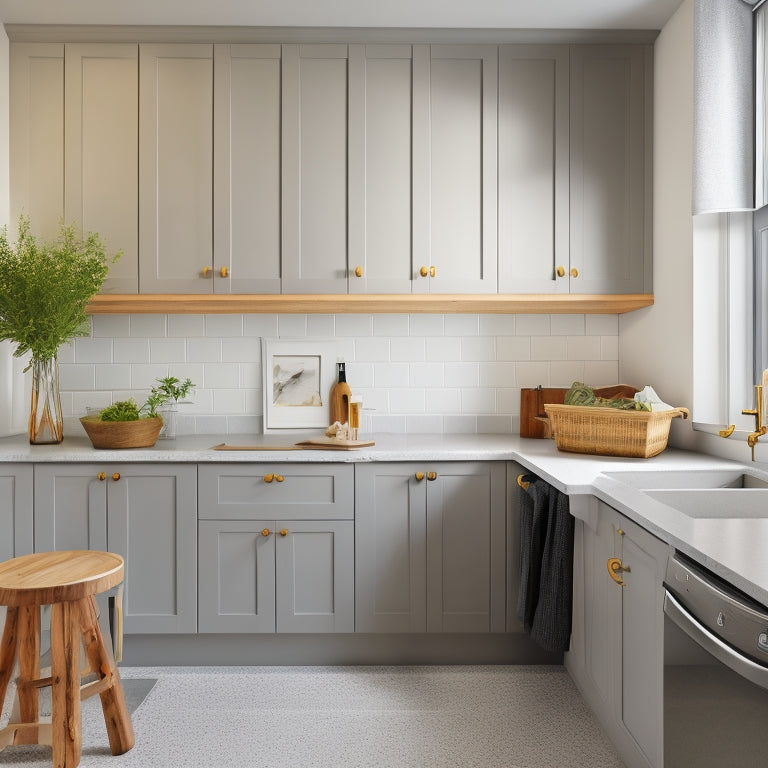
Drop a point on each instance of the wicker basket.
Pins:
(122, 434)
(611, 432)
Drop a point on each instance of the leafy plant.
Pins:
(172, 388)
(127, 410)
(45, 287)
(122, 410)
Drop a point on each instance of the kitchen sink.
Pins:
(736, 502)
(693, 479)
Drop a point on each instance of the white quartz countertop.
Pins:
(736, 549)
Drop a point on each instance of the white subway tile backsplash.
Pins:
(417, 373)
(223, 325)
(567, 325)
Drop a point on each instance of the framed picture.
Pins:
(298, 375)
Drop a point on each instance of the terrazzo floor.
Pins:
(332, 717)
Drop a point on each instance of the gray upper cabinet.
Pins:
(16, 521)
(454, 175)
(611, 165)
(430, 547)
(101, 126)
(314, 168)
(145, 512)
(176, 168)
(246, 173)
(533, 168)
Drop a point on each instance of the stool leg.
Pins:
(65, 688)
(29, 669)
(116, 717)
(8, 647)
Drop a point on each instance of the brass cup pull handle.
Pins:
(431, 475)
(224, 272)
(615, 567)
(560, 271)
(269, 478)
(115, 476)
(419, 476)
(207, 271)
(358, 271)
(574, 272)
(102, 476)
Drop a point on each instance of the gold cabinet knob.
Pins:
(265, 532)
(431, 475)
(224, 272)
(419, 476)
(207, 271)
(432, 271)
(615, 567)
(102, 476)
(560, 271)
(269, 478)
(423, 271)
(574, 272)
(284, 532)
(115, 476)
(279, 478)
(358, 271)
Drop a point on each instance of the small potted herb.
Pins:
(166, 397)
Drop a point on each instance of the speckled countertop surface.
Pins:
(734, 547)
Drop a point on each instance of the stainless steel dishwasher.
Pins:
(715, 672)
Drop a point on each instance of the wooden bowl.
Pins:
(122, 434)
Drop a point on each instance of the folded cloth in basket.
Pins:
(546, 564)
(648, 395)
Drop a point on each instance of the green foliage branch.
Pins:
(46, 285)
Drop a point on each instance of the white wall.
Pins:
(416, 373)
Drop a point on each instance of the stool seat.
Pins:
(67, 581)
(57, 577)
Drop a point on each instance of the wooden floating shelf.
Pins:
(509, 304)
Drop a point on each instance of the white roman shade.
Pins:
(723, 142)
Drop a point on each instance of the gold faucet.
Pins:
(757, 412)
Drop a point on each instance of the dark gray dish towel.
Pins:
(546, 565)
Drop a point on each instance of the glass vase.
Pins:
(45, 423)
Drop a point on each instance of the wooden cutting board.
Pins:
(533, 418)
(315, 444)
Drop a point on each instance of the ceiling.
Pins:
(478, 14)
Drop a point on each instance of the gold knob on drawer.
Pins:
(560, 271)
(265, 532)
(432, 271)
(207, 271)
(419, 476)
(431, 475)
(269, 478)
(284, 532)
(102, 476)
(279, 478)
(224, 272)
(358, 271)
(574, 272)
(115, 475)
(423, 271)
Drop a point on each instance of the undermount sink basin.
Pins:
(732, 502)
(693, 479)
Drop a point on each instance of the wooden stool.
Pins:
(67, 581)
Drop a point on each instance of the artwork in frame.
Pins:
(297, 379)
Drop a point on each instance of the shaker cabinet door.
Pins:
(176, 168)
(16, 521)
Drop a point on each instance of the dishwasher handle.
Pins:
(702, 636)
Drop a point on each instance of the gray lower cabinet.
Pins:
(430, 547)
(617, 641)
(15, 510)
(262, 573)
(145, 512)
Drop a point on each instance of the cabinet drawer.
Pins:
(269, 491)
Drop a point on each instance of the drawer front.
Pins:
(270, 491)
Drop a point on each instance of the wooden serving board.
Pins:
(316, 444)
(533, 418)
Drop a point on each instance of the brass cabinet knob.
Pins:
(207, 271)
(224, 272)
(419, 476)
(615, 567)
(269, 478)
(431, 475)
(279, 478)
(265, 532)
(358, 271)
(102, 476)
(115, 475)
(560, 271)
(432, 271)
(574, 272)
(284, 532)
(423, 271)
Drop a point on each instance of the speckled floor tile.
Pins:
(387, 717)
